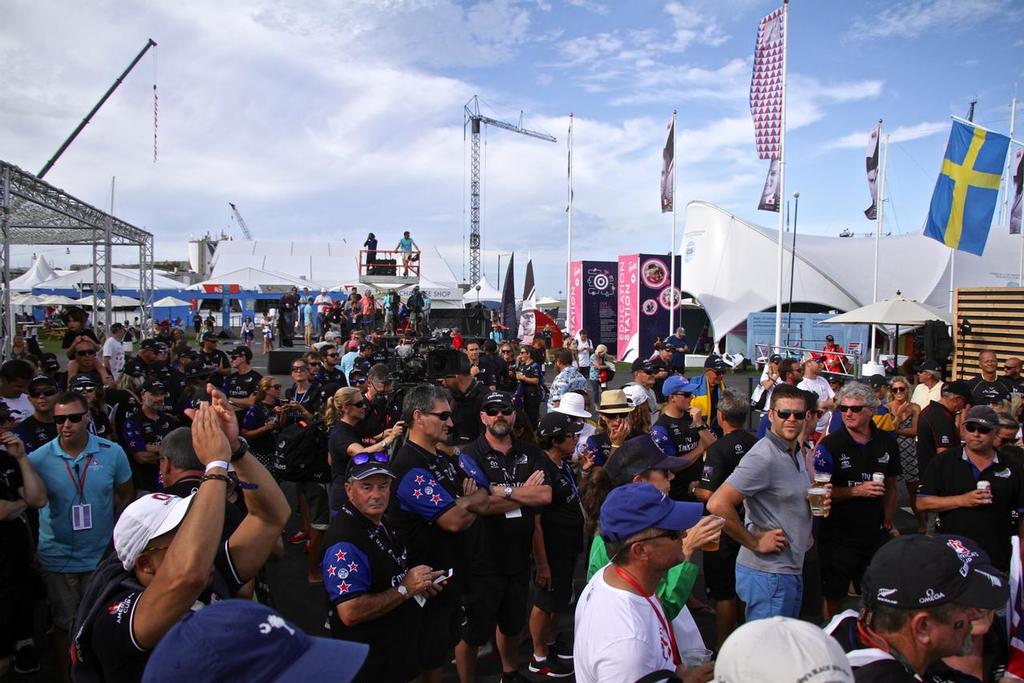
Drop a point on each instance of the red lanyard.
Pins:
(657, 612)
(79, 483)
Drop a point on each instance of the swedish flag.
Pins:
(965, 194)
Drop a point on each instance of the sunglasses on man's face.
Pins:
(84, 390)
(494, 411)
(443, 416)
(74, 418)
(980, 429)
(86, 352)
(39, 393)
(299, 368)
(786, 414)
(850, 409)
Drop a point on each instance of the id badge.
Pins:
(514, 514)
(81, 517)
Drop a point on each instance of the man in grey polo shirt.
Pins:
(771, 483)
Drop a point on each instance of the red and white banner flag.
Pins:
(668, 169)
(766, 85)
(872, 165)
(1016, 203)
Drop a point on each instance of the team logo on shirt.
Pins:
(963, 553)
(1002, 474)
(884, 459)
(738, 448)
(341, 573)
(119, 609)
(844, 461)
(931, 596)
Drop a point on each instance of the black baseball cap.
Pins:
(556, 424)
(775, 358)
(644, 365)
(829, 337)
(154, 386)
(40, 381)
(82, 382)
(961, 389)
(637, 455)
(984, 416)
(714, 362)
(368, 464)
(918, 572)
(49, 362)
(242, 351)
(928, 366)
(151, 344)
(876, 381)
(497, 398)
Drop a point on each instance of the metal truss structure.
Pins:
(34, 212)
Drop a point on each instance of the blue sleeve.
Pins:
(122, 469)
(473, 471)
(663, 440)
(252, 420)
(823, 461)
(419, 493)
(762, 426)
(346, 571)
(133, 438)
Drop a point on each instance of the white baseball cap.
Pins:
(147, 518)
(787, 650)
(635, 394)
(572, 404)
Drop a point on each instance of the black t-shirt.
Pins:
(331, 379)
(35, 433)
(242, 384)
(984, 392)
(531, 370)
(425, 487)
(341, 437)
(722, 457)
(362, 559)
(684, 438)
(119, 656)
(659, 366)
(137, 432)
(853, 463)
(504, 375)
(936, 430)
(503, 543)
(312, 399)
(255, 417)
(214, 360)
(1015, 385)
(561, 520)
(466, 414)
(990, 526)
(15, 538)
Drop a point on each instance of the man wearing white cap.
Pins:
(787, 650)
(168, 549)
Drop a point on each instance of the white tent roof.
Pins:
(54, 300)
(40, 271)
(117, 301)
(169, 302)
(256, 279)
(120, 278)
(487, 293)
(729, 265)
(894, 311)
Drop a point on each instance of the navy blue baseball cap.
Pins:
(676, 385)
(240, 640)
(633, 508)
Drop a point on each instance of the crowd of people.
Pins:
(450, 498)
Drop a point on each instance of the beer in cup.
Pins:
(822, 477)
(816, 495)
(986, 486)
(878, 478)
(712, 545)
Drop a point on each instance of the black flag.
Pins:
(508, 299)
(668, 168)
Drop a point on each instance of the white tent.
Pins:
(729, 266)
(116, 301)
(120, 278)
(169, 302)
(255, 279)
(442, 295)
(487, 292)
(54, 300)
(39, 272)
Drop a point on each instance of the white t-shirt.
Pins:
(114, 350)
(617, 635)
(583, 351)
(922, 395)
(20, 407)
(823, 389)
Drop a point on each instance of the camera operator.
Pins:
(467, 395)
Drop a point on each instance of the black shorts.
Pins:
(844, 560)
(558, 599)
(495, 600)
(439, 633)
(720, 570)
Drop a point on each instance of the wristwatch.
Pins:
(243, 448)
(402, 590)
(508, 493)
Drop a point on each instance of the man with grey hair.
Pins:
(433, 505)
(862, 506)
(988, 388)
(929, 384)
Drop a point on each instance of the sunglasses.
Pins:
(299, 368)
(509, 352)
(786, 414)
(314, 364)
(852, 409)
(684, 394)
(443, 416)
(980, 429)
(670, 535)
(84, 390)
(494, 411)
(331, 355)
(274, 386)
(44, 392)
(358, 404)
(75, 418)
(898, 390)
(86, 352)
(363, 458)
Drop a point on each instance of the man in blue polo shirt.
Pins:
(88, 480)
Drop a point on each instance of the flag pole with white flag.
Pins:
(668, 203)
(768, 110)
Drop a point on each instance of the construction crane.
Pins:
(475, 119)
(241, 222)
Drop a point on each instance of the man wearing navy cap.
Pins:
(929, 384)
(240, 386)
(143, 429)
(676, 343)
(645, 374)
(709, 391)
(212, 357)
(937, 429)
(687, 433)
(622, 632)
(367, 576)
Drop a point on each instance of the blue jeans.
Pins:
(768, 595)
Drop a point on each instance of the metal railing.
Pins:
(845, 363)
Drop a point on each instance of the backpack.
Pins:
(109, 579)
(300, 452)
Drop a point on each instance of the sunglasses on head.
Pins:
(75, 418)
(852, 409)
(786, 414)
(38, 393)
(86, 352)
(980, 429)
(363, 458)
(494, 411)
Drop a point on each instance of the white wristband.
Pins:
(223, 464)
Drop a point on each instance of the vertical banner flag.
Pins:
(508, 300)
(1016, 205)
(766, 86)
(770, 198)
(965, 194)
(668, 169)
(872, 165)
(526, 318)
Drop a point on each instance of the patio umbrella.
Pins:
(896, 310)
(169, 302)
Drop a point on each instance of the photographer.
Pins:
(467, 395)
(262, 422)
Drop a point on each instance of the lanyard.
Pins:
(657, 612)
(79, 483)
(567, 477)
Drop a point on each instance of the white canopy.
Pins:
(729, 266)
(116, 301)
(442, 295)
(255, 279)
(895, 311)
(54, 300)
(487, 293)
(120, 278)
(40, 271)
(169, 302)
(547, 302)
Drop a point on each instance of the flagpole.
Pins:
(782, 176)
(672, 251)
(568, 267)
(1004, 213)
(879, 221)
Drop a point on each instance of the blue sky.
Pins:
(325, 120)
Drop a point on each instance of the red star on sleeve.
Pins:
(343, 587)
(417, 493)
(331, 570)
(419, 479)
(353, 566)
(340, 555)
(435, 499)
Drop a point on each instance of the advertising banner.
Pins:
(599, 305)
(629, 307)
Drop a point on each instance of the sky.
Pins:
(326, 120)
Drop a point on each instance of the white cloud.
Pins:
(694, 27)
(589, 5)
(912, 19)
(859, 139)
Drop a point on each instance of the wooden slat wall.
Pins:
(996, 315)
